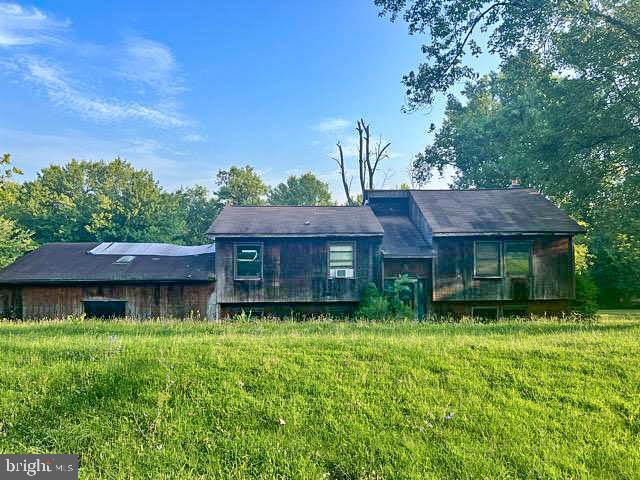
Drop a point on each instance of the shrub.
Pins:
(586, 302)
(393, 303)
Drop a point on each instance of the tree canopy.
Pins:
(240, 186)
(598, 40)
(14, 240)
(305, 189)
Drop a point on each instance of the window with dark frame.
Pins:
(487, 259)
(517, 258)
(248, 261)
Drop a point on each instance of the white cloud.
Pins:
(332, 125)
(27, 26)
(193, 138)
(61, 91)
(151, 64)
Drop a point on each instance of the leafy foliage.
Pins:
(393, 303)
(306, 189)
(97, 201)
(198, 209)
(595, 40)
(14, 240)
(240, 186)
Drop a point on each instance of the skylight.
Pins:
(124, 260)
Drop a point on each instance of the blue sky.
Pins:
(187, 88)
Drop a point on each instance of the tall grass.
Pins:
(261, 399)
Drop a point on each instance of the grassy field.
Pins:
(326, 400)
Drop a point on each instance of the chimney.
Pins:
(515, 183)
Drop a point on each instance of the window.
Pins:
(105, 308)
(248, 261)
(517, 258)
(341, 260)
(487, 259)
(124, 260)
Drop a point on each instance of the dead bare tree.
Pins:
(368, 161)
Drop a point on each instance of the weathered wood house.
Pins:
(486, 253)
(109, 280)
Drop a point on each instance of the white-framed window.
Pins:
(341, 260)
(486, 259)
(247, 261)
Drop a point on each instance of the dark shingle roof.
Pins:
(518, 210)
(295, 221)
(71, 262)
(402, 238)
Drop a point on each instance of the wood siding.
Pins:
(295, 270)
(143, 301)
(551, 278)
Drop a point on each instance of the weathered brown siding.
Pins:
(295, 270)
(415, 267)
(143, 301)
(552, 276)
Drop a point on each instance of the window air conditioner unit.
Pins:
(342, 273)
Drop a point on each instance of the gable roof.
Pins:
(72, 262)
(402, 238)
(295, 221)
(468, 212)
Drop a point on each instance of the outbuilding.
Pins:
(138, 280)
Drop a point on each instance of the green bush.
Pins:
(393, 303)
(586, 302)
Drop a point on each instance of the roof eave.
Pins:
(506, 233)
(291, 235)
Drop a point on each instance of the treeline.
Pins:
(85, 201)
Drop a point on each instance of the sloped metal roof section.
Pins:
(151, 249)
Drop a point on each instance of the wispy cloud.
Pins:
(150, 64)
(332, 125)
(27, 26)
(62, 92)
(193, 138)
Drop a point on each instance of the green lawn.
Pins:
(406, 400)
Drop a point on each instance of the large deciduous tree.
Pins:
(305, 189)
(98, 201)
(598, 40)
(14, 240)
(240, 186)
(198, 209)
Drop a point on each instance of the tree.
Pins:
(97, 201)
(306, 189)
(595, 40)
(199, 210)
(14, 240)
(240, 186)
(368, 163)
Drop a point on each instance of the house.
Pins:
(486, 253)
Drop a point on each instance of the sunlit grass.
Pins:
(167, 400)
